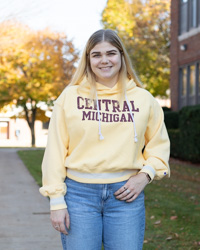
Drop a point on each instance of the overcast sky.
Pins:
(77, 18)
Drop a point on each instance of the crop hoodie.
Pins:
(103, 140)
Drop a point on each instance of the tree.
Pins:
(144, 26)
(35, 67)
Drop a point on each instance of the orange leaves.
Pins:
(34, 64)
(144, 28)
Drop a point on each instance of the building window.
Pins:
(183, 16)
(193, 13)
(198, 12)
(198, 73)
(45, 125)
(189, 15)
(192, 80)
(189, 85)
(183, 81)
(4, 130)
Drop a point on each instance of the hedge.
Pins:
(189, 123)
(171, 119)
(174, 135)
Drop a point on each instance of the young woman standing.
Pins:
(107, 140)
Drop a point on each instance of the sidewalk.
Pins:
(24, 213)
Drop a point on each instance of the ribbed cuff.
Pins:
(57, 203)
(149, 170)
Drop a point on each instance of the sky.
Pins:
(78, 19)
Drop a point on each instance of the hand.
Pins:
(60, 218)
(133, 187)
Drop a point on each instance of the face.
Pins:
(105, 62)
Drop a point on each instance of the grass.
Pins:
(172, 205)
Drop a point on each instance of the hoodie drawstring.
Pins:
(100, 134)
(129, 107)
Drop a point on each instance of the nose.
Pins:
(104, 59)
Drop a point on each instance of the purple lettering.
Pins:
(116, 106)
(106, 104)
(125, 107)
(93, 116)
(86, 115)
(88, 103)
(78, 102)
(130, 118)
(123, 118)
(105, 117)
(115, 117)
(133, 107)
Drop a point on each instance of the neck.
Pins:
(109, 83)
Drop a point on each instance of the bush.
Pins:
(190, 133)
(174, 135)
(171, 119)
(166, 109)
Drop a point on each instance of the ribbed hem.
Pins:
(100, 178)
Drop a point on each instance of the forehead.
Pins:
(103, 47)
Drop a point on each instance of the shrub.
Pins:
(190, 133)
(166, 109)
(174, 135)
(171, 119)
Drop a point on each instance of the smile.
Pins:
(107, 67)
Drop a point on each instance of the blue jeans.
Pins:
(96, 216)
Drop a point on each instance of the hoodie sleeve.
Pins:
(157, 145)
(53, 169)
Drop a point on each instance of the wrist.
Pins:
(148, 178)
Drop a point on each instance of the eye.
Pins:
(111, 54)
(96, 55)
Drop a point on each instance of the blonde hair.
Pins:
(84, 69)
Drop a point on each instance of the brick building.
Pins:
(185, 53)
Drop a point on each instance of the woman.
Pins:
(107, 141)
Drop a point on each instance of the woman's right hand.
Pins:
(60, 218)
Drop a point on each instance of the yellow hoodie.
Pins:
(102, 141)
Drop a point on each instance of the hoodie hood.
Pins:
(104, 90)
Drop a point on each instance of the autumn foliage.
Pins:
(144, 26)
(35, 66)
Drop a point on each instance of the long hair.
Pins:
(84, 68)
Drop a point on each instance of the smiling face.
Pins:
(105, 62)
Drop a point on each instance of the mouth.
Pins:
(107, 67)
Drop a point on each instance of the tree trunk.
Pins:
(30, 118)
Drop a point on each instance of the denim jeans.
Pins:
(96, 216)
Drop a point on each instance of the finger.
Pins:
(121, 190)
(63, 229)
(127, 197)
(57, 227)
(132, 198)
(123, 195)
(67, 221)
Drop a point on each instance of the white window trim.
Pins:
(188, 34)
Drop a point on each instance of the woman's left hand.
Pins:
(133, 187)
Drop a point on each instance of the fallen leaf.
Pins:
(152, 217)
(176, 235)
(157, 222)
(145, 241)
(174, 217)
(169, 238)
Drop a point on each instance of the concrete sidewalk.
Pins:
(24, 213)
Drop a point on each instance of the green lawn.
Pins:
(172, 205)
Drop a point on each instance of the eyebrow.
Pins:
(109, 51)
